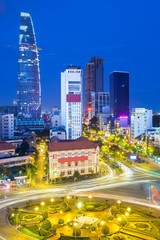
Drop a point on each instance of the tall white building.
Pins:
(71, 101)
(6, 126)
(141, 120)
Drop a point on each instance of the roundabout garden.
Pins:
(84, 218)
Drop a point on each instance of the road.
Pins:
(132, 186)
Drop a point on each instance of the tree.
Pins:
(44, 215)
(24, 147)
(93, 123)
(105, 229)
(47, 225)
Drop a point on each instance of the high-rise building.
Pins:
(99, 103)
(141, 120)
(29, 89)
(71, 101)
(94, 80)
(119, 94)
(6, 126)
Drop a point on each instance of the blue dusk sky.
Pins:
(125, 33)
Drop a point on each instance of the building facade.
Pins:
(141, 120)
(94, 80)
(33, 124)
(68, 157)
(71, 102)
(119, 94)
(99, 103)
(6, 126)
(29, 89)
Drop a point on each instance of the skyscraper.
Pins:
(94, 80)
(71, 101)
(29, 89)
(119, 94)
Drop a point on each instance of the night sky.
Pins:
(125, 33)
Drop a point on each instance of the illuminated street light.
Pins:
(36, 208)
(126, 214)
(75, 232)
(129, 209)
(42, 204)
(102, 223)
(90, 197)
(79, 205)
(52, 200)
(119, 202)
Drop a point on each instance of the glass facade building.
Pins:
(29, 89)
(119, 94)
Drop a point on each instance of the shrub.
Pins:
(110, 218)
(61, 221)
(33, 229)
(44, 215)
(89, 207)
(46, 225)
(105, 229)
(64, 206)
(43, 232)
(76, 232)
(119, 237)
(93, 228)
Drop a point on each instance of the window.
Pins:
(62, 165)
(82, 163)
(89, 153)
(62, 173)
(62, 155)
(69, 154)
(82, 153)
(76, 163)
(69, 172)
(76, 154)
(89, 169)
(69, 164)
(90, 162)
(82, 171)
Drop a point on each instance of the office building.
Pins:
(119, 94)
(141, 120)
(71, 101)
(8, 110)
(94, 80)
(29, 89)
(99, 103)
(6, 126)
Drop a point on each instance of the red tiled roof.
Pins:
(72, 145)
(6, 146)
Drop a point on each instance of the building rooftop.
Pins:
(80, 143)
(6, 146)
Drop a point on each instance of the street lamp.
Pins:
(52, 200)
(79, 205)
(119, 220)
(42, 204)
(75, 232)
(119, 203)
(90, 197)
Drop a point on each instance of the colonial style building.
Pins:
(70, 156)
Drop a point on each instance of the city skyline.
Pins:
(124, 34)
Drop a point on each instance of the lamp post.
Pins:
(42, 204)
(75, 232)
(119, 220)
(90, 197)
(119, 204)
